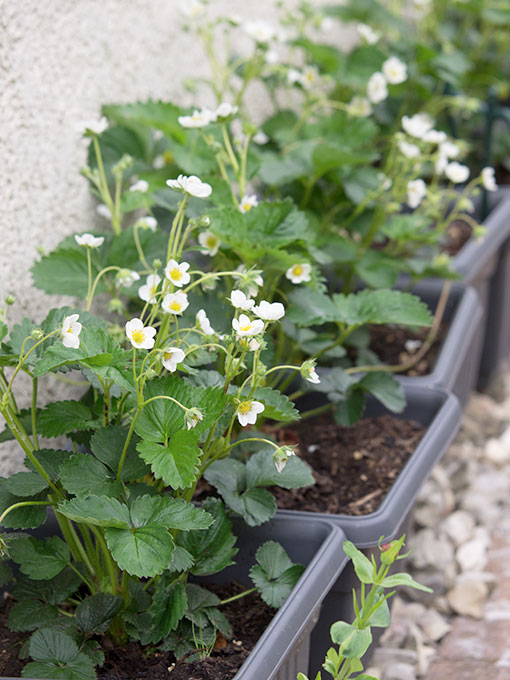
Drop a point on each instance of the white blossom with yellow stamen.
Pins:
(71, 329)
(171, 357)
(245, 327)
(175, 303)
(247, 412)
(299, 273)
(177, 273)
(148, 291)
(140, 337)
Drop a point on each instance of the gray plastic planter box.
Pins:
(485, 265)
(457, 364)
(283, 650)
(441, 413)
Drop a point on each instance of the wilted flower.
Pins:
(140, 337)
(269, 311)
(299, 273)
(175, 303)
(281, 455)
(204, 323)
(456, 172)
(248, 202)
(95, 127)
(239, 300)
(394, 70)
(148, 291)
(408, 150)
(367, 33)
(171, 357)
(89, 241)
(416, 190)
(360, 107)
(147, 222)
(191, 185)
(247, 412)
(210, 243)
(141, 185)
(377, 89)
(488, 179)
(417, 125)
(70, 331)
(193, 417)
(177, 273)
(244, 326)
(126, 278)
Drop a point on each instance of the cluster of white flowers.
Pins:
(394, 72)
(418, 125)
(202, 117)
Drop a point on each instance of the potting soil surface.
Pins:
(354, 467)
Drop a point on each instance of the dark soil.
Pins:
(354, 467)
(389, 343)
(458, 234)
(249, 617)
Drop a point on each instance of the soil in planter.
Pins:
(249, 617)
(354, 467)
(389, 343)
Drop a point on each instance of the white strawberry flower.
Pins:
(141, 185)
(192, 8)
(103, 211)
(225, 110)
(409, 150)
(394, 70)
(299, 273)
(367, 33)
(281, 456)
(309, 76)
(148, 291)
(147, 222)
(416, 190)
(417, 125)
(261, 31)
(435, 136)
(192, 185)
(456, 172)
(140, 337)
(309, 373)
(359, 107)
(254, 345)
(248, 202)
(193, 417)
(441, 164)
(89, 241)
(488, 179)
(199, 118)
(260, 138)
(175, 303)
(126, 277)
(377, 89)
(241, 301)
(272, 57)
(95, 127)
(204, 323)
(171, 357)
(210, 243)
(448, 149)
(293, 76)
(269, 311)
(71, 329)
(177, 273)
(247, 412)
(245, 327)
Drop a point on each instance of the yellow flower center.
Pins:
(246, 328)
(153, 291)
(167, 355)
(211, 242)
(69, 330)
(176, 274)
(244, 407)
(138, 337)
(175, 306)
(246, 207)
(297, 270)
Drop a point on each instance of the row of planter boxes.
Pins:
(478, 337)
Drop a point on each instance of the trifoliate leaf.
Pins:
(162, 418)
(382, 307)
(177, 463)
(169, 603)
(50, 459)
(275, 574)
(309, 307)
(276, 405)
(65, 269)
(143, 552)
(57, 657)
(54, 590)
(261, 471)
(171, 513)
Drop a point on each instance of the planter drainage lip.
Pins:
(366, 530)
(297, 616)
(473, 257)
(458, 342)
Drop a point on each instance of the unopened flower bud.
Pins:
(37, 334)
(116, 306)
(204, 221)
(390, 551)
(9, 299)
(156, 264)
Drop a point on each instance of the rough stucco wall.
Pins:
(59, 61)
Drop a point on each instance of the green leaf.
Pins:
(212, 549)
(381, 618)
(177, 463)
(382, 307)
(328, 157)
(277, 405)
(386, 389)
(309, 307)
(275, 575)
(403, 580)
(65, 269)
(25, 484)
(161, 419)
(144, 552)
(169, 603)
(5, 574)
(351, 407)
(152, 114)
(94, 614)
(353, 641)
(40, 559)
(182, 560)
(107, 444)
(261, 471)
(50, 459)
(362, 565)
(82, 474)
(26, 517)
(171, 513)
(62, 417)
(100, 511)
(31, 614)
(57, 657)
(53, 591)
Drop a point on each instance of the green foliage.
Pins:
(39, 559)
(62, 417)
(57, 656)
(274, 575)
(177, 463)
(94, 614)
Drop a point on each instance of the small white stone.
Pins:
(432, 550)
(434, 625)
(472, 555)
(400, 671)
(497, 451)
(468, 598)
(459, 527)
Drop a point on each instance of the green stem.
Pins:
(92, 288)
(21, 504)
(34, 413)
(103, 188)
(238, 596)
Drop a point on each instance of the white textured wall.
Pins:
(59, 61)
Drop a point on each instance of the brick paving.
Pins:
(480, 649)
